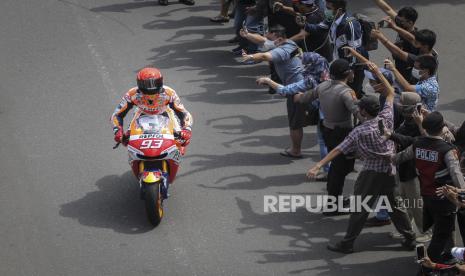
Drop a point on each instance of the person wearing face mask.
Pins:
(403, 22)
(309, 12)
(288, 67)
(424, 41)
(343, 30)
(427, 87)
(437, 165)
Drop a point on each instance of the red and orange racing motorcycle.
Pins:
(155, 151)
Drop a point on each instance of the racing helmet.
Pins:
(150, 81)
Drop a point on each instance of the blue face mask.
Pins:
(329, 15)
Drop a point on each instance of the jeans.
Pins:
(254, 24)
(321, 143)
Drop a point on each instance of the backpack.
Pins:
(368, 42)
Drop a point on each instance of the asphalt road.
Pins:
(68, 202)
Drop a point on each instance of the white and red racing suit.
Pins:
(152, 104)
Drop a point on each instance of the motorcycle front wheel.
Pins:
(153, 203)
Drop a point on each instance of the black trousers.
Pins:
(341, 166)
(439, 214)
(357, 84)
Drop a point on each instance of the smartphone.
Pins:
(420, 252)
(381, 127)
(419, 107)
(382, 24)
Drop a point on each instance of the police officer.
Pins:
(437, 165)
(338, 104)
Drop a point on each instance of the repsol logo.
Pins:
(427, 155)
(147, 136)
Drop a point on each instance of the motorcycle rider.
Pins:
(151, 97)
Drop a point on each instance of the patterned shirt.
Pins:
(429, 92)
(367, 142)
(316, 71)
(344, 31)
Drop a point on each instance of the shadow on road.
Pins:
(310, 233)
(255, 182)
(456, 106)
(279, 142)
(127, 7)
(204, 162)
(244, 124)
(216, 79)
(115, 205)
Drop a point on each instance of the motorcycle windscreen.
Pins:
(151, 124)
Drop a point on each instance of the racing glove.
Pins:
(118, 132)
(186, 135)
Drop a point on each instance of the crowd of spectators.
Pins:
(318, 56)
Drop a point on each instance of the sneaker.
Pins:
(338, 247)
(395, 235)
(424, 238)
(219, 19)
(375, 222)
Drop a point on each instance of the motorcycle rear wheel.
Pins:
(153, 203)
